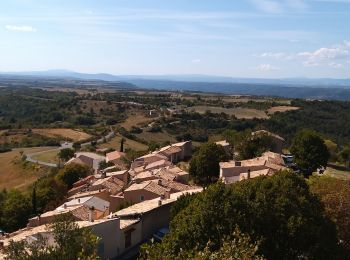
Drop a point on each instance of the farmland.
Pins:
(71, 134)
(18, 174)
(240, 113)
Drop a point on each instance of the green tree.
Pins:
(204, 165)
(237, 246)
(71, 242)
(335, 195)
(310, 151)
(344, 156)
(15, 210)
(72, 172)
(122, 141)
(66, 154)
(254, 146)
(279, 211)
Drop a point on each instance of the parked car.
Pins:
(158, 236)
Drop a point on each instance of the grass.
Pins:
(135, 119)
(337, 173)
(49, 156)
(72, 134)
(239, 113)
(282, 109)
(131, 144)
(159, 137)
(17, 174)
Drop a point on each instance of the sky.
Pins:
(236, 38)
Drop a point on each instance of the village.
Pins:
(126, 208)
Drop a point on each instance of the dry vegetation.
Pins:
(114, 143)
(72, 134)
(17, 174)
(282, 109)
(239, 113)
(135, 119)
(337, 173)
(50, 156)
(158, 137)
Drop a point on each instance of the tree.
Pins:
(34, 202)
(66, 154)
(310, 151)
(71, 242)
(72, 172)
(122, 144)
(279, 211)
(335, 195)
(204, 165)
(237, 246)
(15, 210)
(253, 146)
(344, 156)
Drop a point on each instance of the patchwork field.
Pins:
(17, 174)
(239, 113)
(282, 109)
(72, 134)
(131, 144)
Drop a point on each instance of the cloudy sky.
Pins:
(238, 38)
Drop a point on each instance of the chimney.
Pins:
(91, 213)
(79, 200)
(167, 195)
(248, 174)
(160, 202)
(64, 205)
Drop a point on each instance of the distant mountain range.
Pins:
(316, 88)
(302, 82)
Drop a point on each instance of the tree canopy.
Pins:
(204, 165)
(309, 150)
(72, 172)
(279, 211)
(335, 194)
(66, 154)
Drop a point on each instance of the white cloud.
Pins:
(196, 61)
(326, 55)
(335, 65)
(297, 4)
(276, 55)
(267, 67)
(267, 6)
(20, 28)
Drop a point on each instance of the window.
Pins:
(142, 198)
(127, 238)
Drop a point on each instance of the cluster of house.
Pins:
(151, 185)
(153, 179)
(267, 164)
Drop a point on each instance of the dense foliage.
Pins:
(72, 173)
(335, 194)
(310, 151)
(279, 211)
(204, 165)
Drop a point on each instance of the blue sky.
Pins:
(238, 38)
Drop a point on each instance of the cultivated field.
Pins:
(72, 134)
(17, 174)
(131, 144)
(239, 113)
(282, 109)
